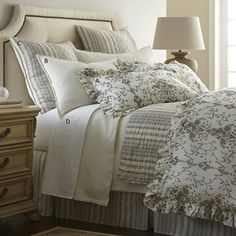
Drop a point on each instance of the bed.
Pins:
(125, 199)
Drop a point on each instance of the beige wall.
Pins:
(139, 16)
(195, 8)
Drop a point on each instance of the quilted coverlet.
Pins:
(146, 133)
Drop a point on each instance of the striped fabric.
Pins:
(106, 41)
(185, 226)
(146, 132)
(124, 210)
(37, 83)
(45, 202)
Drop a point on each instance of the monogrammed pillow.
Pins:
(68, 90)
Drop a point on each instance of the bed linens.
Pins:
(44, 128)
(120, 92)
(36, 80)
(83, 157)
(64, 152)
(45, 123)
(98, 159)
(105, 41)
(143, 54)
(184, 74)
(196, 176)
(62, 74)
(146, 133)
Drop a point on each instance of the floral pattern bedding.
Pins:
(197, 173)
(134, 85)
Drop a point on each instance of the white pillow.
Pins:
(143, 55)
(63, 76)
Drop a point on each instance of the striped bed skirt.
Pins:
(124, 210)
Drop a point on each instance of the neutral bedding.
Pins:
(107, 149)
(196, 174)
(104, 139)
(79, 154)
(146, 133)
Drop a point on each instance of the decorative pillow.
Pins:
(67, 88)
(143, 55)
(37, 83)
(106, 41)
(88, 75)
(121, 92)
(184, 74)
(132, 66)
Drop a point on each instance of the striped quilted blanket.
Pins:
(146, 132)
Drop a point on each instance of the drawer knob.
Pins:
(3, 193)
(4, 163)
(5, 133)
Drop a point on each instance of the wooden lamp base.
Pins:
(181, 57)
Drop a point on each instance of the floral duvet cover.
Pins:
(197, 173)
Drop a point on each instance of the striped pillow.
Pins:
(106, 41)
(37, 83)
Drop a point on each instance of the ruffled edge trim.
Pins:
(107, 107)
(213, 212)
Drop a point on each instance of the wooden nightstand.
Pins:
(17, 126)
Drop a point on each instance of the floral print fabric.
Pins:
(197, 174)
(184, 74)
(120, 92)
(179, 71)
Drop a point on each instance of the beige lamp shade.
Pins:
(178, 33)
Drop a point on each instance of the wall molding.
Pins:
(218, 44)
(212, 51)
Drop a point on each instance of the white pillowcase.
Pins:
(143, 55)
(63, 76)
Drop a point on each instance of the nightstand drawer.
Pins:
(15, 132)
(15, 161)
(14, 190)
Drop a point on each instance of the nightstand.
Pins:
(17, 127)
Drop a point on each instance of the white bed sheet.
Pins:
(65, 152)
(44, 131)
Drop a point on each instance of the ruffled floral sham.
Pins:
(184, 74)
(120, 92)
(179, 71)
(132, 66)
(88, 75)
(197, 174)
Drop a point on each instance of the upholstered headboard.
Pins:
(41, 25)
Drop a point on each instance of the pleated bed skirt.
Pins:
(124, 210)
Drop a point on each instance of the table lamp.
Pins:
(180, 34)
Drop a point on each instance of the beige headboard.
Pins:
(41, 25)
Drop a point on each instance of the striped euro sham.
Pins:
(37, 83)
(106, 41)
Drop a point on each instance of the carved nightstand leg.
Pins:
(34, 215)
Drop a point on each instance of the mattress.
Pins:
(44, 132)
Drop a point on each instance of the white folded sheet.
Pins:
(100, 157)
(64, 152)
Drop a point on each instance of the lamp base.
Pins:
(181, 57)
